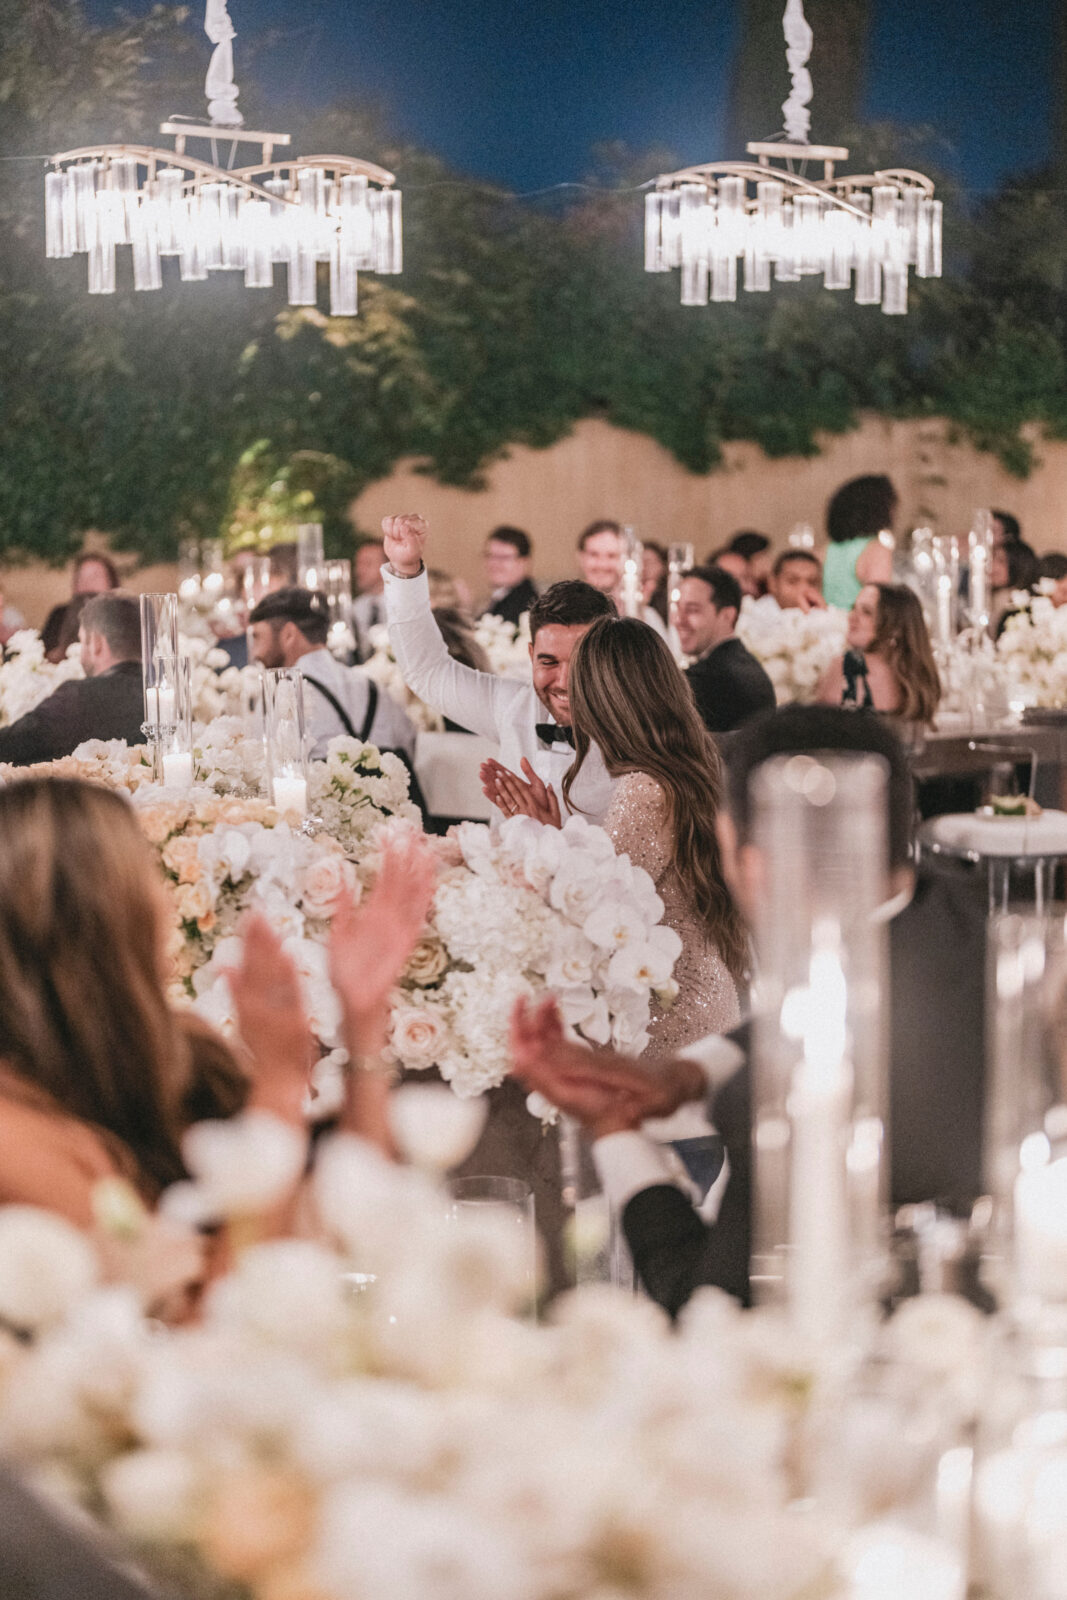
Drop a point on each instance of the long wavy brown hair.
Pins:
(901, 639)
(628, 697)
(85, 1027)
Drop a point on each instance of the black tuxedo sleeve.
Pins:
(674, 1251)
(42, 734)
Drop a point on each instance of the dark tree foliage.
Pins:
(203, 406)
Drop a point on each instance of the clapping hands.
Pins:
(514, 798)
(607, 1093)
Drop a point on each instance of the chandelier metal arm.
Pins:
(749, 169)
(199, 171)
(342, 165)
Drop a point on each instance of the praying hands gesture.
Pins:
(605, 1092)
(514, 798)
(404, 538)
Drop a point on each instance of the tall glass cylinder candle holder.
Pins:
(286, 745)
(632, 602)
(979, 570)
(1026, 1123)
(679, 562)
(945, 551)
(159, 668)
(309, 555)
(820, 1083)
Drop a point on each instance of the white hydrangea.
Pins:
(795, 647)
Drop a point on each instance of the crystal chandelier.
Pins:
(245, 219)
(767, 218)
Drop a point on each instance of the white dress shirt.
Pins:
(503, 709)
(630, 1161)
(392, 728)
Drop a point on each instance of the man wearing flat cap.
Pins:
(289, 629)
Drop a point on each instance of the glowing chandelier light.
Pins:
(245, 219)
(869, 230)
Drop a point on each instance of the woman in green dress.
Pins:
(859, 521)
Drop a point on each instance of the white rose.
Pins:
(419, 1035)
(245, 1165)
(46, 1267)
(153, 1494)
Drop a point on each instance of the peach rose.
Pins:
(196, 902)
(259, 1519)
(325, 880)
(180, 857)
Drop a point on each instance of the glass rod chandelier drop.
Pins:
(867, 231)
(245, 219)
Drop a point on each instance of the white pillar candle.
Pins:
(818, 1108)
(944, 610)
(631, 590)
(164, 702)
(1041, 1231)
(178, 769)
(291, 795)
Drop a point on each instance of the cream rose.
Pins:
(427, 963)
(419, 1036)
(325, 880)
(195, 901)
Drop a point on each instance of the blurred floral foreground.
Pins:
(376, 1417)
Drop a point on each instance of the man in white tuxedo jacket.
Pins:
(530, 722)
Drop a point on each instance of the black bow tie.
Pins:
(552, 733)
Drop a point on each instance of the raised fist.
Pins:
(404, 537)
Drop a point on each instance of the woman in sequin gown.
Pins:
(628, 697)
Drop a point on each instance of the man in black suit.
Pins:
(936, 1036)
(108, 703)
(508, 553)
(729, 685)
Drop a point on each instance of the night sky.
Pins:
(520, 94)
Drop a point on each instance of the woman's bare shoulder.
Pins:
(49, 1160)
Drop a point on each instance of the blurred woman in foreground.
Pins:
(99, 1076)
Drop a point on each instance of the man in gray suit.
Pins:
(108, 703)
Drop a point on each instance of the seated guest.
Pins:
(733, 562)
(289, 629)
(1006, 529)
(1013, 570)
(654, 578)
(283, 566)
(600, 562)
(728, 683)
(662, 814)
(108, 703)
(755, 550)
(368, 608)
(889, 664)
(508, 553)
(936, 1027)
(530, 722)
(99, 1076)
(92, 573)
(859, 525)
(795, 583)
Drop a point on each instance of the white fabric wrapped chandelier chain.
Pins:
(247, 219)
(862, 231)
